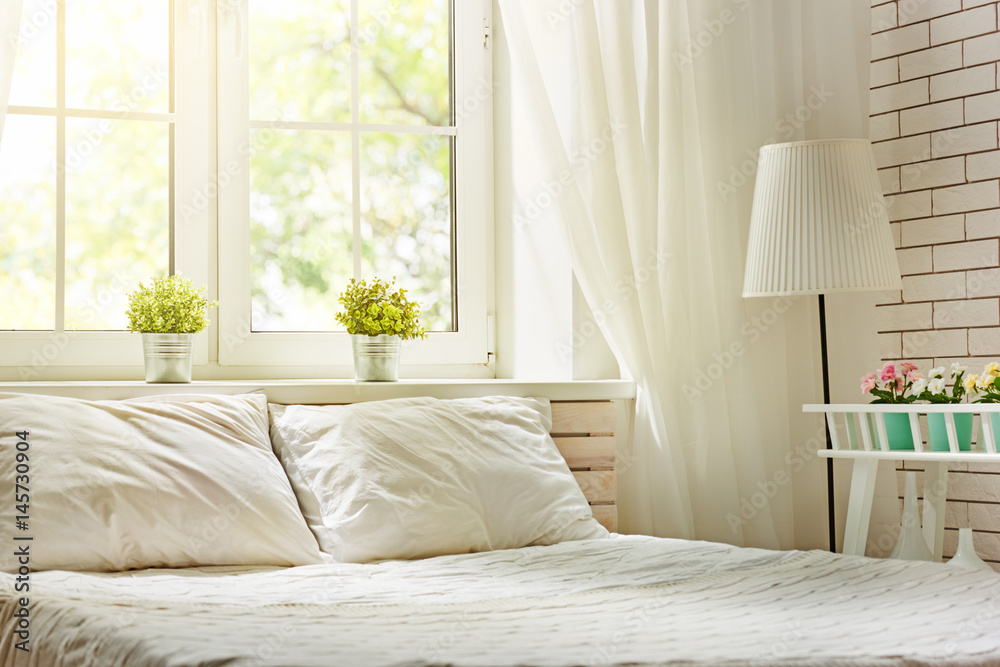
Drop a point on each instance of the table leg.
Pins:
(935, 496)
(859, 506)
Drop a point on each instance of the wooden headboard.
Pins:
(584, 432)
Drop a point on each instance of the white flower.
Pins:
(936, 386)
(936, 372)
(919, 386)
(957, 368)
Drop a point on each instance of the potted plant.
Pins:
(891, 386)
(378, 316)
(168, 314)
(987, 385)
(934, 390)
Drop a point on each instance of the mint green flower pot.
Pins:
(897, 430)
(939, 433)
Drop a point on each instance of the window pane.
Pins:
(301, 228)
(117, 55)
(404, 61)
(117, 216)
(300, 60)
(34, 82)
(406, 218)
(28, 223)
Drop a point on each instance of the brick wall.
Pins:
(935, 105)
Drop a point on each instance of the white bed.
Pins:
(115, 489)
(628, 600)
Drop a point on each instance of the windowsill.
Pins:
(335, 391)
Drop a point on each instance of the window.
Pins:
(352, 141)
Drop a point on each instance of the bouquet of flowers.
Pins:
(986, 385)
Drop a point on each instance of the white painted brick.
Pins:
(985, 49)
(969, 313)
(954, 84)
(908, 206)
(984, 516)
(884, 72)
(884, 126)
(889, 178)
(968, 255)
(956, 514)
(914, 260)
(932, 61)
(971, 197)
(987, 545)
(982, 107)
(883, 17)
(981, 166)
(946, 342)
(959, 198)
(974, 487)
(901, 40)
(982, 224)
(933, 287)
(992, 468)
(931, 117)
(900, 96)
(983, 283)
(907, 317)
(911, 12)
(962, 140)
(890, 345)
(888, 296)
(903, 151)
(962, 25)
(933, 174)
(968, 4)
(933, 230)
(984, 341)
(895, 229)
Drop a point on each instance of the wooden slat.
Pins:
(587, 452)
(599, 486)
(607, 516)
(595, 418)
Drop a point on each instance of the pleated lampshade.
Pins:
(819, 223)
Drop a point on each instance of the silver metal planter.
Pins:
(376, 358)
(167, 356)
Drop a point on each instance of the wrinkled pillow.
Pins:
(419, 477)
(173, 481)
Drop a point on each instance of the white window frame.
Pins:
(36, 354)
(443, 352)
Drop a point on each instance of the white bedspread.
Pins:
(629, 600)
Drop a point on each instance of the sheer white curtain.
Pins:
(10, 21)
(671, 100)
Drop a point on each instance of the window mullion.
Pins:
(355, 140)
(60, 295)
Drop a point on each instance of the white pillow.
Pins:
(419, 477)
(174, 481)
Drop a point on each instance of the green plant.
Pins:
(169, 305)
(379, 308)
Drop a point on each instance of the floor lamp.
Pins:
(819, 225)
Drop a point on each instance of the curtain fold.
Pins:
(671, 101)
(10, 23)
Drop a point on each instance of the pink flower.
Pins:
(888, 373)
(899, 385)
(908, 368)
(916, 376)
(867, 383)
